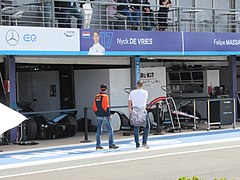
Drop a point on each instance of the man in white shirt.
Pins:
(97, 48)
(87, 12)
(138, 114)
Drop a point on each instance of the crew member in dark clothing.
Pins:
(125, 9)
(148, 17)
(64, 11)
(163, 14)
(102, 111)
(136, 13)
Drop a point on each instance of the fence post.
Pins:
(86, 126)
(179, 20)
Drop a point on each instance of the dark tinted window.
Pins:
(174, 77)
(197, 75)
(185, 76)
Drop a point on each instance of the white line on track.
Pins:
(113, 153)
(118, 161)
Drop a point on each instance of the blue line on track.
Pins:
(83, 150)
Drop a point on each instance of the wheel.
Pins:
(72, 130)
(32, 129)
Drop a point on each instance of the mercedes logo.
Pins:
(12, 37)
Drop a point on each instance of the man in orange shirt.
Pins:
(102, 111)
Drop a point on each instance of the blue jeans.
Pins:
(136, 15)
(126, 13)
(108, 123)
(147, 23)
(145, 134)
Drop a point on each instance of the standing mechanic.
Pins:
(101, 109)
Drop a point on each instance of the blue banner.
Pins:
(115, 42)
(211, 43)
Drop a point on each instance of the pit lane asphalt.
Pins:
(208, 155)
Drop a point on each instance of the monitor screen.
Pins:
(185, 76)
(197, 75)
(174, 76)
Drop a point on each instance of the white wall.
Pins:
(119, 79)
(154, 83)
(213, 78)
(204, 3)
(87, 83)
(186, 3)
(35, 85)
(224, 4)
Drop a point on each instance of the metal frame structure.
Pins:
(191, 18)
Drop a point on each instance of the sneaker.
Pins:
(145, 146)
(137, 146)
(113, 146)
(99, 148)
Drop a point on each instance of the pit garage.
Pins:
(59, 80)
(46, 86)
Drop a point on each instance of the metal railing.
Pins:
(109, 15)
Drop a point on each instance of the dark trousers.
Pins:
(145, 134)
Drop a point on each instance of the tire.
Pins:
(32, 129)
(66, 127)
(41, 123)
(72, 126)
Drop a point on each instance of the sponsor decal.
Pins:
(12, 37)
(69, 33)
(86, 34)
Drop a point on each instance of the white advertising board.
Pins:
(154, 78)
(38, 39)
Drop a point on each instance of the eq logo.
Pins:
(30, 38)
(12, 37)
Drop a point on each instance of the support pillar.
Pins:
(232, 70)
(232, 60)
(10, 75)
(135, 71)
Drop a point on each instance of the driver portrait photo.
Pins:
(97, 48)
